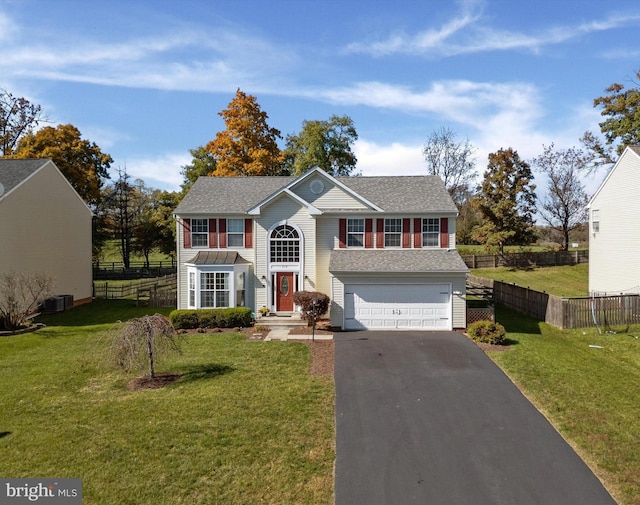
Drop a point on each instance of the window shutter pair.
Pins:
(342, 233)
(214, 233)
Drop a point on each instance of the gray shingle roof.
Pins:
(236, 195)
(14, 172)
(396, 260)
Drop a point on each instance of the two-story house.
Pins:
(614, 229)
(45, 227)
(382, 248)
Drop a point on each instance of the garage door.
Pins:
(397, 306)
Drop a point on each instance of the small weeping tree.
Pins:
(313, 305)
(140, 342)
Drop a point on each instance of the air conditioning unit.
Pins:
(68, 301)
(54, 304)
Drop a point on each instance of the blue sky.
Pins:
(145, 80)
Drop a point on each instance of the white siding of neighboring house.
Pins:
(332, 197)
(45, 227)
(284, 209)
(457, 282)
(614, 259)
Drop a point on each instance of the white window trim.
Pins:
(595, 220)
(394, 233)
(205, 233)
(359, 233)
(232, 270)
(425, 233)
(235, 233)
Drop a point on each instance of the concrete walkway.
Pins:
(283, 334)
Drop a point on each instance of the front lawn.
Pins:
(246, 423)
(590, 394)
(566, 281)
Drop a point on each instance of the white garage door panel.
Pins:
(383, 306)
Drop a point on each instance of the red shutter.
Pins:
(213, 243)
(380, 233)
(342, 233)
(368, 235)
(186, 233)
(444, 232)
(223, 233)
(248, 233)
(406, 233)
(417, 232)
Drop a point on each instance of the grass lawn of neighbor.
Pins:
(565, 281)
(588, 385)
(245, 423)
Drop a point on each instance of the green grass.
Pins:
(480, 249)
(110, 252)
(565, 281)
(591, 395)
(246, 423)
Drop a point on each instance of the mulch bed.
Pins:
(159, 381)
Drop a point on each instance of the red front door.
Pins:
(284, 291)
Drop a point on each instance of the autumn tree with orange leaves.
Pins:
(248, 146)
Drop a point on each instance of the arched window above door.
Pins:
(284, 245)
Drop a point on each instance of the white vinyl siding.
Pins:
(613, 266)
(331, 197)
(283, 209)
(46, 227)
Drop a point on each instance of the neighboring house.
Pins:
(383, 248)
(614, 229)
(45, 227)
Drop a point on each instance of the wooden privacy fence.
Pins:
(526, 259)
(159, 292)
(602, 311)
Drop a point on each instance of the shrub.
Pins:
(312, 303)
(487, 332)
(211, 318)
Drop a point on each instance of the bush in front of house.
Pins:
(311, 303)
(487, 332)
(238, 317)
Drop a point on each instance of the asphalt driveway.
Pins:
(426, 417)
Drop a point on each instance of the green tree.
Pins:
(202, 164)
(159, 221)
(18, 117)
(621, 128)
(564, 206)
(248, 145)
(507, 202)
(324, 144)
(82, 162)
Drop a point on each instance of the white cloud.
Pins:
(162, 172)
(392, 159)
(465, 34)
